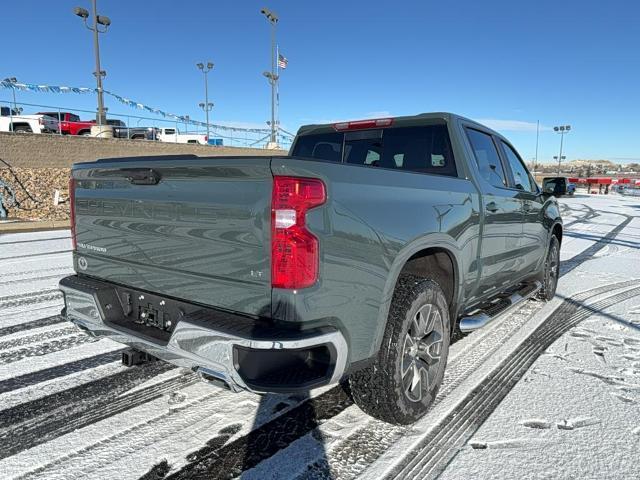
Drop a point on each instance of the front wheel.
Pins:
(551, 271)
(400, 386)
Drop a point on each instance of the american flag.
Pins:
(282, 61)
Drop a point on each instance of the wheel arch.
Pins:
(435, 257)
(556, 230)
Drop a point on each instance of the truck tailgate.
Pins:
(197, 229)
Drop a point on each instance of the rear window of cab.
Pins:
(422, 149)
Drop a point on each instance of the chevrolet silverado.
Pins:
(358, 256)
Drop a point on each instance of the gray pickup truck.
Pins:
(358, 256)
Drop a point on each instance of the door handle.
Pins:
(492, 207)
(142, 176)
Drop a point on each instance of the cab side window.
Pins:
(487, 157)
(521, 178)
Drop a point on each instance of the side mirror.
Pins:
(548, 191)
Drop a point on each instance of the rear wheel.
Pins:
(22, 129)
(551, 271)
(400, 386)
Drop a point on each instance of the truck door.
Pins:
(534, 235)
(502, 230)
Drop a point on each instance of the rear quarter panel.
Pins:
(374, 220)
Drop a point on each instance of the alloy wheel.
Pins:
(422, 352)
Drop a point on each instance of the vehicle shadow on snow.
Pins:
(279, 422)
(298, 418)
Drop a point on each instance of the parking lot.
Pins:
(517, 398)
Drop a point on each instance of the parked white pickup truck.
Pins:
(174, 135)
(13, 121)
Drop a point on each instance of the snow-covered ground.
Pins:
(550, 391)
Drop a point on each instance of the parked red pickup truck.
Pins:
(70, 123)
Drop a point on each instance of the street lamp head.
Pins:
(11, 80)
(200, 65)
(102, 20)
(271, 16)
(568, 127)
(555, 129)
(210, 65)
(81, 12)
(201, 104)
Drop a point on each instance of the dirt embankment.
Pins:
(40, 184)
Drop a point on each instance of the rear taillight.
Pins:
(206, 139)
(41, 121)
(72, 211)
(294, 250)
(362, 124)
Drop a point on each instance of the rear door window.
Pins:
(487, 158)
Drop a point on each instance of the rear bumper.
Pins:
(243, 353)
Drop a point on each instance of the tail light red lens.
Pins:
(294, 250)
(72, 211)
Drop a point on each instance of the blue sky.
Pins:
(505, 62)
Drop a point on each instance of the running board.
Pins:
(495, 310)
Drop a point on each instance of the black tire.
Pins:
(551, 271)
(381, 390)
(22, 129)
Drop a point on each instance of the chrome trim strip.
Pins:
(479, 320)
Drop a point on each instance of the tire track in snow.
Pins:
(30, 424)
(46, 348)
(17, 242)
(115, 447)
(41, 254)
(446, 439)
(580, 258)
(34, 279)
(589, 215)
(41, 322)
(65, 369)
(30, 298)
(39, 271)
(36, 338)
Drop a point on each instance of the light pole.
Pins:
(562, 129)
(272, 76)
(101, 118)
(206, 106)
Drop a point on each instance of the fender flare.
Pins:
(436, 240)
